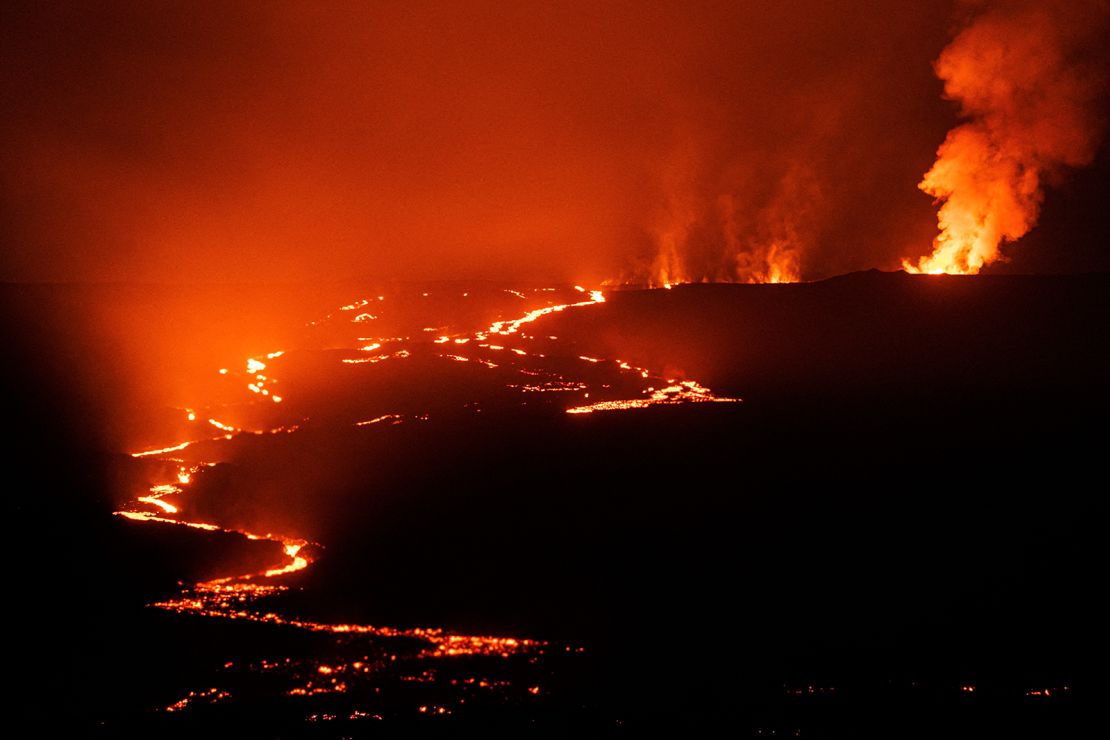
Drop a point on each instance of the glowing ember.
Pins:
(211, 696)
(686, 392)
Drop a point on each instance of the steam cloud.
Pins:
(1024, 75)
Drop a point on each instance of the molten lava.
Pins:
(578, 383)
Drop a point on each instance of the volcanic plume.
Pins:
(1026, 82)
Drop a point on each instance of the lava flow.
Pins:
(517, 366)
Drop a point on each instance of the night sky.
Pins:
(183, 142)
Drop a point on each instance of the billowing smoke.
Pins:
(1028, 77)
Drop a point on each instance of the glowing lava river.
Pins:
(360, 671)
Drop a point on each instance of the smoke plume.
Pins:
(1027, 81)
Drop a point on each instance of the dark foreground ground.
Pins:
(910, 500)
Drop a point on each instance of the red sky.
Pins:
(282, 141)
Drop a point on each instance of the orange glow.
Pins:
(782, 266)
(512, 327)
(297, 562)
(1028, 116)
(141, 517)
(165, 506)
(161, 450)
(238, 597)
(400, 354)
(688, 391)
(223, 599)
(210, 696)
(395, 418)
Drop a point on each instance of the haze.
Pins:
(229, 142)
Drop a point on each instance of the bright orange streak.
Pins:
(688, 391)
(511, 327)
(377, 358)
(384, 417)
(143, 517)
(298, 563)
(161, 450)
(165, 506)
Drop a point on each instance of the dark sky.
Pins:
(224, 141)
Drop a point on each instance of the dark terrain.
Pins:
(909, 500)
